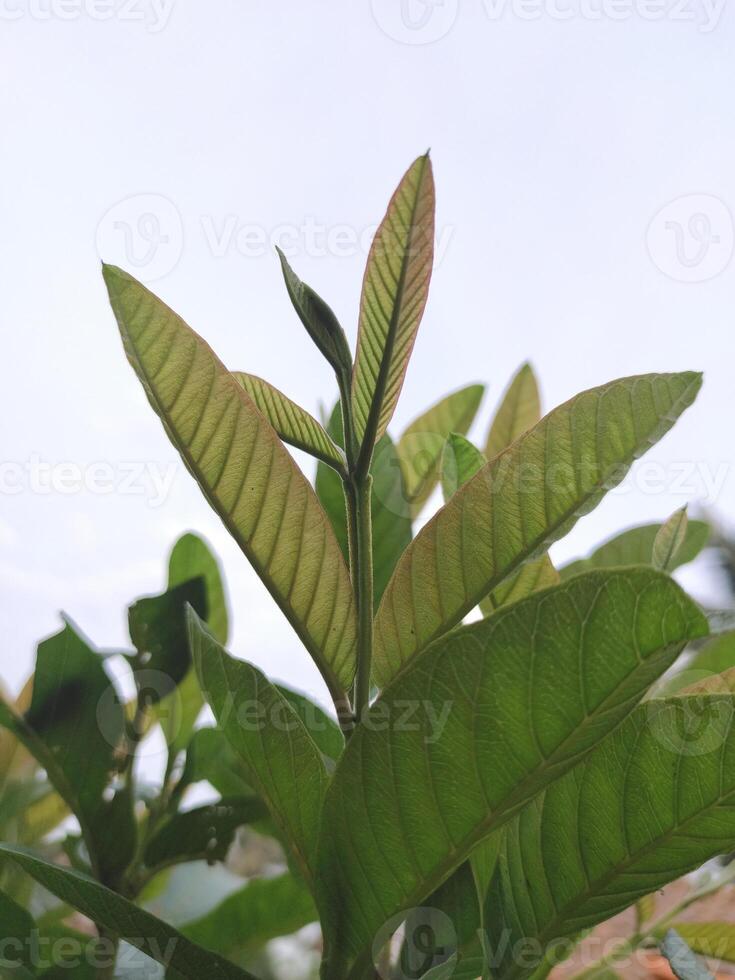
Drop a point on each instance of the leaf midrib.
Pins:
(372, 422)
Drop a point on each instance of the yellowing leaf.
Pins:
(394, 294)
(670, 540)
(246, 474)
(518, 504)
(519, 411)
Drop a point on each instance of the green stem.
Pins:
(364, 534)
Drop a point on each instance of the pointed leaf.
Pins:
(519, 411)
(518, 504)
(394, 293)
(543, 681)
(684, 964)
(281, 760)
(635, 547)
(245, 472)
(421, 446)
(136, 926)
(321, 324)
(654, 801)
(670, 540)
(292, 422)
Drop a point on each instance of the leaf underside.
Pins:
(518, 504)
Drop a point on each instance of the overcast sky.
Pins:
(584, 156)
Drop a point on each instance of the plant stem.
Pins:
(364, 535)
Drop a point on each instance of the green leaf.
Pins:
(635, 547)
(392, 531)
(421, 446)
(245, 921)
(417, 789)
(684, 964)
(323, 729)
(654, 801)
(157, 627)
(519, 411)
(205, 833)
(210, 756)
(192, 558)
(320, 322)
(460, 461)
(281, 759)
(670, 540)
(292, 423)
(246, 474)
(518, 504)
(715, 940)
(75, 711)
(16, 929)
(394, 294)
(139, 928)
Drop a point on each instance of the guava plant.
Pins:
(488, 791)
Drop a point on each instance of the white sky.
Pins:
(559, 130)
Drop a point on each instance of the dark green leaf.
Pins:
(136, 926)
(205, 833)
(16, 929)
(158, 630)
(75, 711)
(320, 322)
